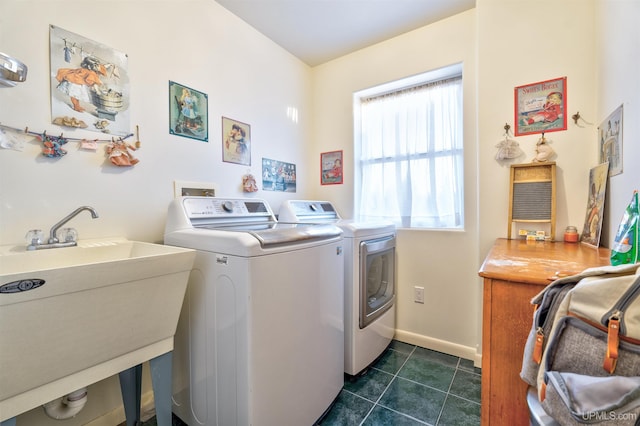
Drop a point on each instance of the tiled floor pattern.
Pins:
(408, 385)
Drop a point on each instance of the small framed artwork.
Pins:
(278, 176)
(331, 168)
(541, 107)
(610, 140)
(188, 112)
(236, 142)
(595, 205)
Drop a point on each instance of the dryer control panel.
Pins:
(307, 211)
(212, 208)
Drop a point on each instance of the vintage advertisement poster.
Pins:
(89, 84)
(331, 168)
(541, 107)
(236, 142)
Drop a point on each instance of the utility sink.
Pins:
(72, 316)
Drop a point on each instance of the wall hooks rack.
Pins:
(44, 133)
(576, 117)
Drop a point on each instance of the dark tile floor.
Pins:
(408, 385)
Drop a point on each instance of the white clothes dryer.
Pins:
(260, 340)
(369, 291)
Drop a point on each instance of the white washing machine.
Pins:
(369, 279)
(260, 340)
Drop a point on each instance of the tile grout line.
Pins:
(458, 367)
(388, 384)
(446, 397)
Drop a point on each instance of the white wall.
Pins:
(444, 263)
(519, 45)
(618, 41)
(194, 42)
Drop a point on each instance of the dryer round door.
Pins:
(377, 271)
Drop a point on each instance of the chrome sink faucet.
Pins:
(53, 241)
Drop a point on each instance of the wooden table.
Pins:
(515, 271)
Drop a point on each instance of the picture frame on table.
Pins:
(595, 205)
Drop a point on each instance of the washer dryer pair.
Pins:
(369, 280)
(261, 333)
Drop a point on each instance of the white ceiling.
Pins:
(317, 31)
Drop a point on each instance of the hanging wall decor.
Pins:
(89, 84)
(508, 149)
(541, 107)
(331, 168)
(249, 183)
(236, 142)
(610, 141)
(278, 176)
(119, 155)
(188, 112)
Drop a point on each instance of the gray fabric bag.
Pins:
(546, 305)
(576, 399)
(590, 369)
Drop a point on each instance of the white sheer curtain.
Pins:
(411, 156)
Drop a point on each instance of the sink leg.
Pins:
(131, 387)
(161, 382)
(9, 422)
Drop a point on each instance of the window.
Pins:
(409, 152)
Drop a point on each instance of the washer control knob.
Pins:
(227, 206)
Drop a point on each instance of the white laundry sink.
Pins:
(73, 316)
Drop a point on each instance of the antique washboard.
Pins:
(532, 195)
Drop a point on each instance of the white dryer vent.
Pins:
(199, 189)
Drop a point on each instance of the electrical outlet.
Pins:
(418, 294)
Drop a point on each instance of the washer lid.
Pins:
(275, 234)
(237, 225)
(295, 234)
(308, 211)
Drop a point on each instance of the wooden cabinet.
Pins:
(515, 271)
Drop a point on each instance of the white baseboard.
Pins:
(466, 352)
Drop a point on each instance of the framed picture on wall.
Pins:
(541, 107)
(89, 84)
(278, 175)
(331, 168)
(610, 140)
(188, 112)
(236, 142)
